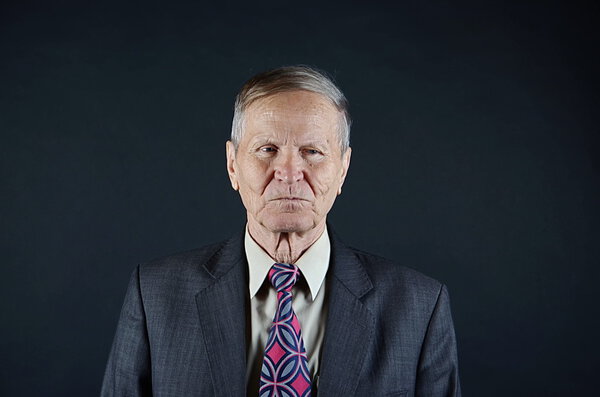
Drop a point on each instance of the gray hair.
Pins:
(285, 79)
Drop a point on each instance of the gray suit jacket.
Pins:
(182, 330)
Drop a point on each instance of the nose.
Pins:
(289, 168)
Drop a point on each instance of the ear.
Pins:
(345, 165)
(231, 165)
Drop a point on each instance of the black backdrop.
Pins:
(475, 161)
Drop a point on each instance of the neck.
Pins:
(285, 247)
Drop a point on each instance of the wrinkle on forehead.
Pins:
(317, 111)
(292, 119)
(291, 110)
(298, 100)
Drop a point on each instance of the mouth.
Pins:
(289, 199)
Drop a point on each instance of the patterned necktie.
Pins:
(284, 371)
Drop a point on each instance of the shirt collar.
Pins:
(313, 264)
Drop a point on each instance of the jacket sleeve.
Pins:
(438, 363)
(128, 368)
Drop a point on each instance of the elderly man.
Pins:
(284, 308)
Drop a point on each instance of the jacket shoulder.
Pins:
(184, 258)
(386, 272)
(181, 265)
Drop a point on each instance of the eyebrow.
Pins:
(319, 144)
(269, 140)
(262, 141)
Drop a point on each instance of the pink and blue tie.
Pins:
(284, 371)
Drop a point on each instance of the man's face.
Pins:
(289, 167)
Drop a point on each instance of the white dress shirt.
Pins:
(308, 301)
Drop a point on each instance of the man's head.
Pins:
(289, 152)
(285, 79)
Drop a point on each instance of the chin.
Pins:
(289, 223)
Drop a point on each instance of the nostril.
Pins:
(289, 173)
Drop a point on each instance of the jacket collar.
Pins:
(347, 268)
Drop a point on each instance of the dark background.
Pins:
(475, 161)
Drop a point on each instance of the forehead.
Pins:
(296, 112)
(299, 100)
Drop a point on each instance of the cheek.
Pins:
(326, 182)
(254, 178)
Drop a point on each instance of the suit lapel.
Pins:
(350, 325)
(221, 307)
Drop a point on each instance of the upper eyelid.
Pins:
(268, 145)
(301, 149)
(313, 148)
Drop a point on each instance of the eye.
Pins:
(311, 152)
(267, 150)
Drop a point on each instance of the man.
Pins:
(284, 308)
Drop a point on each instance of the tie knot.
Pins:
(283, 276)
